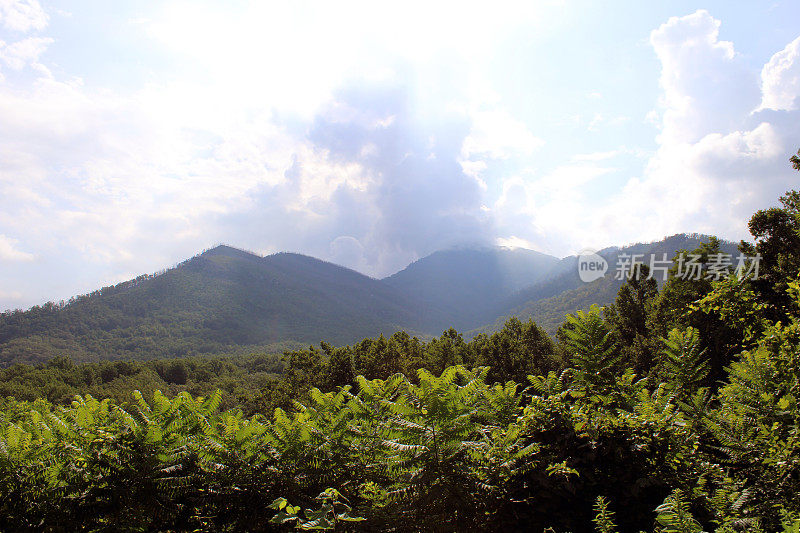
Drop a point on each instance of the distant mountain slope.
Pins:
(222, 300)
(462, 288)
(548, 301)
(549, 312)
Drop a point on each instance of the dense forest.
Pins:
(674, 409)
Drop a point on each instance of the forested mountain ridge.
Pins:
(563, 292)
(229, 301)
(549, 312)
(222, 301)
(565, 275)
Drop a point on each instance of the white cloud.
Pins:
(780, 79)
(496, 134)
(716, 161)
(704, 86)
(22, 15)
(25, 52)
(96, 174)
(599, 121)
(9, 251)
(598, 156)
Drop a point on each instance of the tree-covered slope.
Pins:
(549, 301)
(549, 312)
(227, 301)
(224, 300)
(461, 288)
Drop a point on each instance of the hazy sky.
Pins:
(135, 134)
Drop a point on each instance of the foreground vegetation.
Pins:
(673, 410)
(438, 453)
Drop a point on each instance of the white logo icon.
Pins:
(591, 266)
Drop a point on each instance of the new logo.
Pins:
(591, 266)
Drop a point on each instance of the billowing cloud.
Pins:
(780, 79)
(22, 15)
(705, 88)
(717, 160)
(377, 186)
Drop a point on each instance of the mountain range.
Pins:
(227, 300)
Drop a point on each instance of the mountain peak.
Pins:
(225, 250)
(467, 282)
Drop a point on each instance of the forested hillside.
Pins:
(549, 312)
(674, 409)
(227, 302)
(563, 292)
(223, 301)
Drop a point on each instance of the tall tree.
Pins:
(339, 371)
(629, 318)
(590, 342)
(676, 306)
(777, 239)
(445, 351)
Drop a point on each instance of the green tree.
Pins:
(629, 316)
(604, 519)
(447, 350)
(339, 370)
(777, 239)
(177, 373)
(757, 424)
(516, 351)
(676, 306)
(590, 341)
(683, 365)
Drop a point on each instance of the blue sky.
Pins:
(135, 134)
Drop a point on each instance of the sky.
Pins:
(134, 135)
